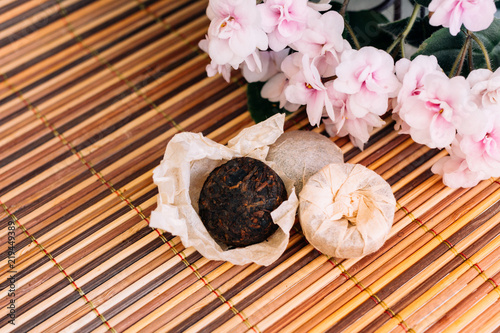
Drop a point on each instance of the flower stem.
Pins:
(460, 58)
(343, 8)
(483, 49)
(353, 36)
(401, 38)
(469, 59)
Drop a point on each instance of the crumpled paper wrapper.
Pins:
(188, 160)
(346, 210)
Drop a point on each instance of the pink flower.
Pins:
(440, 110)
(284, 21)
(367, 75)
(270, 65)
(274, 90)
(320, 6)
(306, 87)
(455, 170)
(234, 31)
(323, 36)
(368, 67)
(476, 15)
(482, 149)
(411, 75)
(345, 122)
(213, 68)
(485, 87)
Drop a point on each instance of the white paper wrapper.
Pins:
(346, 210)
(188, 160)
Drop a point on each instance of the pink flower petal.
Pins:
(442, 132)
(415, 113)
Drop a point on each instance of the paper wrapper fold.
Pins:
(346, 210)
(188, 160)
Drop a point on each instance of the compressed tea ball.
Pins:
(346, 210)
(237, 199)
(300, 154)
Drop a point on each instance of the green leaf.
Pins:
(446, 47)
(365, 24)
(424, 3)
(260, 108)
(420, 31)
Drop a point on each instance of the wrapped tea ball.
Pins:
(300, 154)
(346, 210)
(248, 184)
(237, 199)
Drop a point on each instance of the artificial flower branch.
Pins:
(459, 60)
(402, 36)
(483, 49)
(353, 36)
(462, 58)
(471, 63)
(347, 26)
(343, 8)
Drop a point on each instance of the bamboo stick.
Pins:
(475, 311)
(488, 321)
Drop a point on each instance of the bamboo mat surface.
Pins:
(92, 92)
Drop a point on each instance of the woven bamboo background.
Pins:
(91, 93)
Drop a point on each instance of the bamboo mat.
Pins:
(91, 93)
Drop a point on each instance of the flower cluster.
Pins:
(304, 59)
(296, 47)
(475, 149)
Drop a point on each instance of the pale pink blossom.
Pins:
(323, 37)
(292, 66)
(213, 68)
(482, 149)
(320, 6)
(358, 129)
(270, 66)
(411, 75)
(346, 123)
(368, 67)
(435, 115)
(274, 90)
(476, 15)
(367, 75)
(455, 170)
(306, 87)
(234, 32)
(485, 87)
(284, 21)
